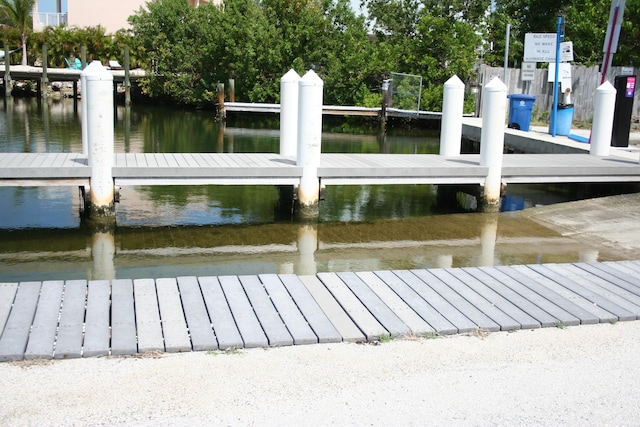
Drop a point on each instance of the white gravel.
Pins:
(583, 375)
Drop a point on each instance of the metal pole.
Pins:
(127, 80)
(506, 55)
(607, 57)
(554, 111)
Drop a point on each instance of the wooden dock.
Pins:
(34, 169)
(79, 318)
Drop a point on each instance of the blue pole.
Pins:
(554, 111)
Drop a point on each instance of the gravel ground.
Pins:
(583, 375)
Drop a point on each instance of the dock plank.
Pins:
(70, 330)
(461, 322)
(360, 314)
(246, 320)
(272, 325)
(147, 316)
(583, 309)
(473, 303)
(198, 322)
(7, 295)
(387, 318)
(13, 341)
(42, 338)
(224, 325)
(416, 324)
(598, 286)
(529, 315)
(440, 324)
(97, 322)
(172, 318)
(561, 310)
(626, 280)
(123, 319)
(588, 294)
(285, 305)
(330, 306)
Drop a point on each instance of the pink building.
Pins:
(112, 15)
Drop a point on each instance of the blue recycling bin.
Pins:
(520, 109)
(564, 116)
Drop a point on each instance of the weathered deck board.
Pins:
(246, 320)
(198, 322)
(224, 325)
(272, 325)
(42, 338)
(361, 316)
(123, 319)
(414, 322)
(461, 322)
(15, 335)
(488, 286)
(338, 317)
(147, 316)
(417, 300)
(296, 324)
(97, 322)
(7, 294)
(78, 318)
(172, 318)
(70, 329)
(387, 318)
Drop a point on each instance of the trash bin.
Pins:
(564, 118)
(520, 109)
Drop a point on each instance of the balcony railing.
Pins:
(52, 19)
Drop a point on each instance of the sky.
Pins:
(49, 6)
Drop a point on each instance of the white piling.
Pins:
(83, 104)
(307, 245)
(289, 114)
(492, 140)
(602, 127)
(98, 97)
(451, 123)
(309, 137)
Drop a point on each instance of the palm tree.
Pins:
(19, 14)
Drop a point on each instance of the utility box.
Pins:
(520, 110)
(625, 87)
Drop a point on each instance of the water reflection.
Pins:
(208, 230)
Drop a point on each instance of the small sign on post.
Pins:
(528, 71)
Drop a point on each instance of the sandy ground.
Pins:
(583, 375)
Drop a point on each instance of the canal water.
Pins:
(169, 231)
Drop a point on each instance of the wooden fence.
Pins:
(585, 81)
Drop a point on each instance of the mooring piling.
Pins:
(492, 141)
(309, 139)
(451, 123)
(603, 112)
(100, 138)
(289, 114)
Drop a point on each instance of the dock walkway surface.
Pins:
(80, 318)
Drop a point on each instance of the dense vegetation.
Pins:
(188, 51)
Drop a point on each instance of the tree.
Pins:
(19, 15)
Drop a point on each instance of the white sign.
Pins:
(540, 47)
(564, 75)
(566, 51)
(528, 71)
(617, 11)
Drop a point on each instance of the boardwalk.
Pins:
(79, 318)
(24, 169)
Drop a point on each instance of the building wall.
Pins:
(112, 14)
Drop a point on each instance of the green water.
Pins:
(168, 231)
